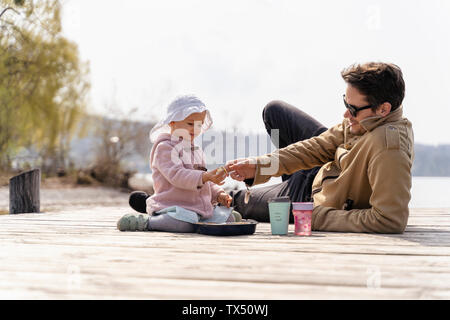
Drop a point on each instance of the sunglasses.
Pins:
(354, 110)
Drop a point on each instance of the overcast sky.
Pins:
(239, 55)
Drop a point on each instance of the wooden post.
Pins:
(24, 192)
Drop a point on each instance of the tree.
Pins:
(43, 83)
(117, 140)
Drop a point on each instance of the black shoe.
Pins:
(137, 201)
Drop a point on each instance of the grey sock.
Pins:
(164, 222)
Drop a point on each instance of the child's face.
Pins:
(190, 127)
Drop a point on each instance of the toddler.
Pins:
(184, 191)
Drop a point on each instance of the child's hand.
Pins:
(216, 176)
(224, 199)
(241, 169)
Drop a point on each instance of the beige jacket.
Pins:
(371, 173)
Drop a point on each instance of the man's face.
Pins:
(354, 97)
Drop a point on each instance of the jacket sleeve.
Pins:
(390, 178)
(169, 164)
(301, 155)
(215, 191)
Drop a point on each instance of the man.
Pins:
(358, 173)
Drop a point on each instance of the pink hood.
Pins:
(177, 179)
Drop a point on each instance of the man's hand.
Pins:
(216, 176)
(224, 199)
(241, 169)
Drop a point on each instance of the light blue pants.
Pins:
(167, 223)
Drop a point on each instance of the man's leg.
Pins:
(257, 208)
(297, 187)
(293, 125)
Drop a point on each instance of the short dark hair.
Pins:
(379, 82)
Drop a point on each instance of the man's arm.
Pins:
(304, 154)
(390, 178)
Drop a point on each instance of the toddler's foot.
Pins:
(138, 202)
(133, 222)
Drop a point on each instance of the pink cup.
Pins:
(302, 212)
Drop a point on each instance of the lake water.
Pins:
(430, 192)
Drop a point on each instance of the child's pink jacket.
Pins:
(177, 179)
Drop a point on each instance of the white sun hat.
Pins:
(178, 110)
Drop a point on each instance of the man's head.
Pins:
(375, 84)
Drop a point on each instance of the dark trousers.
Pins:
(293, 125)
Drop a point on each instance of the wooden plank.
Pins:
(71, 239)
(427, 244)
(113, 264)
(226, 264)
(151, 288)
(89, 281)
(173, 263)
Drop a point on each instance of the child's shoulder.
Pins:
(164, 139)
(164, 145)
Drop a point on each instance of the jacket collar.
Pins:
(373, 122)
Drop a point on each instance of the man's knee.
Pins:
(271, 109)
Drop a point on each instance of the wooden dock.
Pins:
(78, 253)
